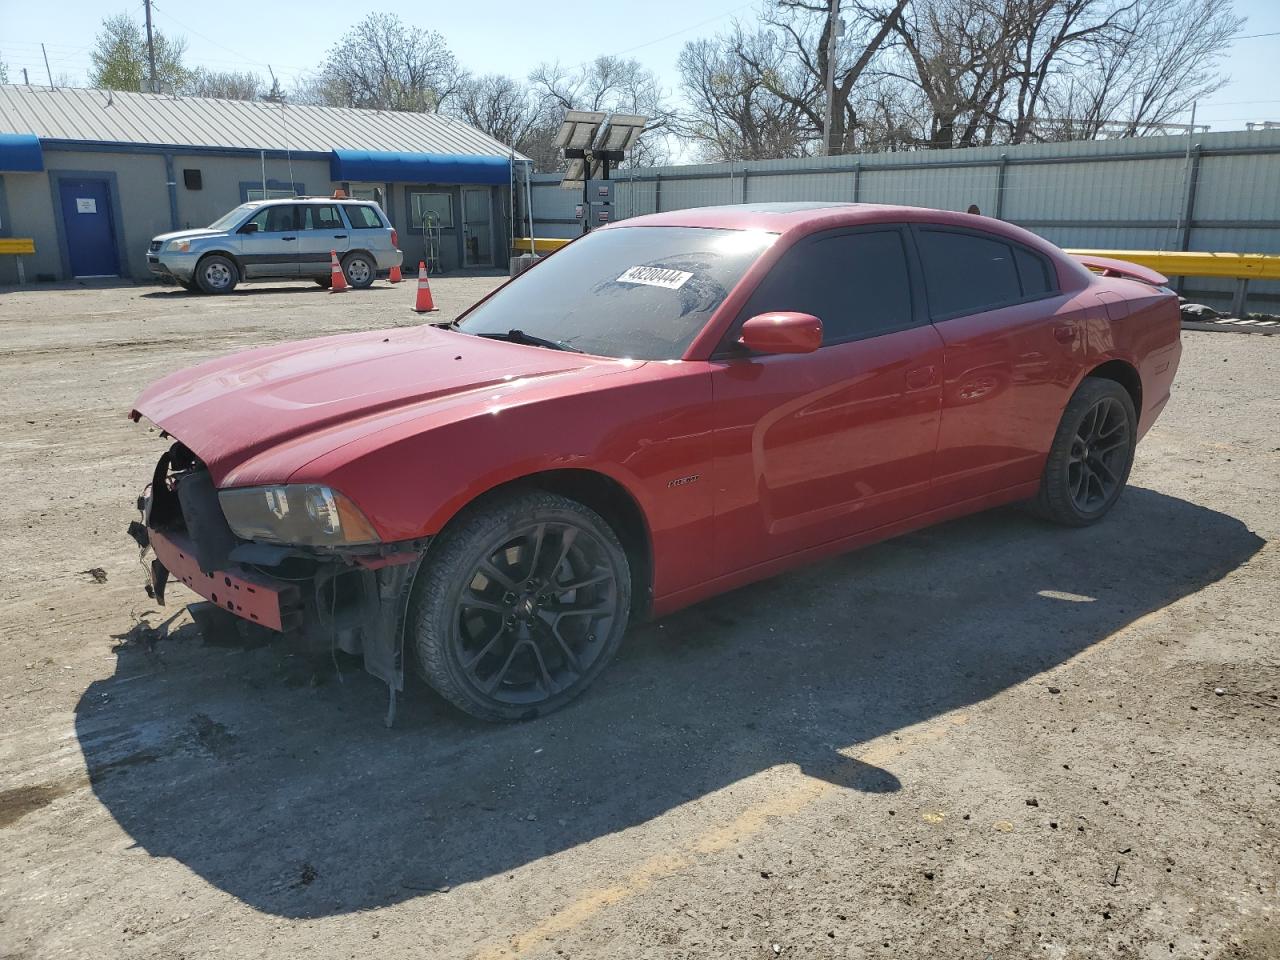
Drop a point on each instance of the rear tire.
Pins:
(360, 270)
(217, 274)
(1091, 456)
(521, 603)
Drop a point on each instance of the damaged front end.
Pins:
(324, 589)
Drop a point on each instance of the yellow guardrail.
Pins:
(545, 244)
(1240, 267)
(1234, 266)
(17, 245)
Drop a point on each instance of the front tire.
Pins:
(521, 603)
(1091, 456)
(360, 270)
(217, 274)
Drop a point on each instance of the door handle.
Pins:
(288, 238)
(339, 236)
(920, 376)
(1064, 333)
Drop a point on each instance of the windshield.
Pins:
(232, 217)
(638, 292)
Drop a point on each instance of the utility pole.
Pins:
(833, 34)
(151, 48)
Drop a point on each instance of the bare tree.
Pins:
(610, 84)
(736, 111)
(510, 112)
(1158, 58)
(383, 64)
(224, 85)
(806, 27)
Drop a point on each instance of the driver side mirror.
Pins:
(249, 227)
(782, 332)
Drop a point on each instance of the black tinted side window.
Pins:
(856, 284)
(362, 217)
(1033, 271)
(964, 273)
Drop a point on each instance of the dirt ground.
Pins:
(993, 739)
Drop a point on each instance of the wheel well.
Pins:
(619, 509)
(1124, 374)
(224, 254)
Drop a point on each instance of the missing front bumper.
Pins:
(249, 595)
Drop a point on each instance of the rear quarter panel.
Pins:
(1142, 326)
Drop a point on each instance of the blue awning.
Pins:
(391, 167)
(20, 152)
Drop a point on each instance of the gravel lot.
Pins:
(992, 739)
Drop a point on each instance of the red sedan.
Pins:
(665, 409)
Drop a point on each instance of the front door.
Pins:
(89, 227)
(477, 228)
(817, 447)
(269, 242)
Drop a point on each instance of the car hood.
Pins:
(188, 234)
(229, 410)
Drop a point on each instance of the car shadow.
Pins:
(285, 790)
(254, 289)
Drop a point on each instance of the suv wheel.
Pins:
(359, 269)
(217, 274)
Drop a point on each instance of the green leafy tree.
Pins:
(119, 57)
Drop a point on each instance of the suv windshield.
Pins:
(231, 217)
(638, 292)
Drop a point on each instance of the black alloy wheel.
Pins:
(1091, 456)
(1099, 455)
(521, 606)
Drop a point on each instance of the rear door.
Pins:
(322, 233)
(269, 242)
(1013, 344)
(817, 447)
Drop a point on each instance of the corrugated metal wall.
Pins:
(1213, 191)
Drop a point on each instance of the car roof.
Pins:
(273, 200)
(809, 217)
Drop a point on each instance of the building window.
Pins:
(273, 193)
(368, 191)
(424, 206)
(191, 179)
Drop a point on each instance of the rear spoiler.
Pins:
(1109, 267)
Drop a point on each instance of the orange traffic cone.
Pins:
(394, 276)
(424, 303)
(338, 279)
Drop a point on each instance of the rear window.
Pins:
(362, 217)
(964, 273)
(640, 292)
(1033, 271)
(321, 217)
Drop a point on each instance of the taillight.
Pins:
(395, 238)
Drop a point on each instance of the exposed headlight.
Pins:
(298, 513)
(179, 246)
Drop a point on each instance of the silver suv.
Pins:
(279, 239)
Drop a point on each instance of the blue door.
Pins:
(90, 231)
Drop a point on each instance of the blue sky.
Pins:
(505, 37)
